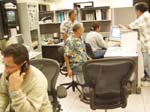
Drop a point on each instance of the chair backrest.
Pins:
(107, 79)
(53, 52)
(89, 50)
(50, 69)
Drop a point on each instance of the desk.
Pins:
(120, 52)
(34, 54)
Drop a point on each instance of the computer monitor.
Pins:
(115, 33)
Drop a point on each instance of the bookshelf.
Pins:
(96, 13)
(57, 16)
(86, 15)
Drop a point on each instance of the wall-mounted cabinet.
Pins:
(29, 18)
(44, 7)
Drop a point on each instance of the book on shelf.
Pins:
(61, 16)
(108, 14)
(103, 13)
(89, 16)
(98, 15)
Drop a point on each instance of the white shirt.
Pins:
(143, 25)
(96, 41)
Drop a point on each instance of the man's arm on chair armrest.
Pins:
(68, 66)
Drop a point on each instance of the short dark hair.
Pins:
(19, 53)
(76, 26)
(71, 12)
(94, 26)
(141, 6)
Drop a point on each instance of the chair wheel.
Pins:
(138, 90)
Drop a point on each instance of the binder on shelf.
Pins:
(98, 15)
(103, 11)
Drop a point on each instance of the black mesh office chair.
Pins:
(52, 52)
(57, 53)
(107, 79)
(50, 69)
(90, 52)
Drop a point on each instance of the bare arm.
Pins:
(68, 66)
(64, 35)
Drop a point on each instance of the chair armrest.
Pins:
(61, 92)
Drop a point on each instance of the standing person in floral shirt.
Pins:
(66, 26)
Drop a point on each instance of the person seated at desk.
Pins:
(75, 54)
(96, 41)
(23, 88)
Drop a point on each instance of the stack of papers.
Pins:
(119, 51)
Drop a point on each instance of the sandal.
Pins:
(84, 99)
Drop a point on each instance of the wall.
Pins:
(121, 3)
(68, 4)
(33, 1)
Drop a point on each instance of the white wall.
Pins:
(68, 4)
(33, 1)
(121, 3)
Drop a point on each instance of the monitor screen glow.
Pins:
(11, 16)
(115, 33)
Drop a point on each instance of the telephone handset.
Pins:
(24, 68)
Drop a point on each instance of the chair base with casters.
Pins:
(73, 84)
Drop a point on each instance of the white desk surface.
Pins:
(32, 54)
(118, 51)
(59, 44)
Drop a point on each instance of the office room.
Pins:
(74, 55)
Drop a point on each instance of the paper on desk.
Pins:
(118, 51)
(129, 41)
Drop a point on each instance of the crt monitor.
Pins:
(11, 16)
(115, 33)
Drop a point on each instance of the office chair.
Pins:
(90, 52)
(63, 71)
(57, 53)
(107, 81)
(50, 69)
(52, 52)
